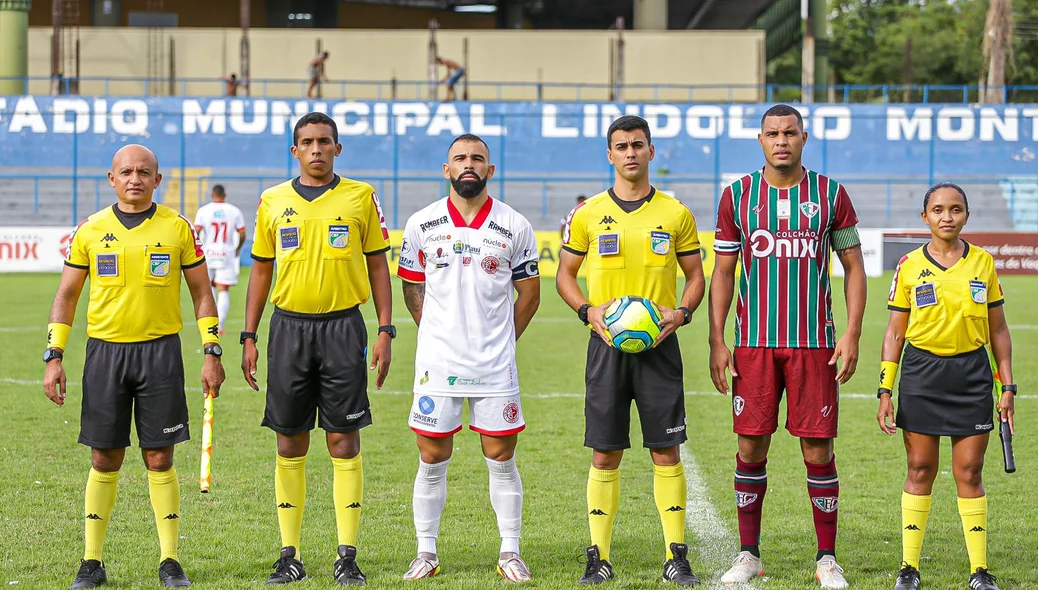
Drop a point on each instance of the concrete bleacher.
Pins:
(542, 201)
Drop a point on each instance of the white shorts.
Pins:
(439, 416)
(228, 275)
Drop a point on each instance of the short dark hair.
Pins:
(324, 53)
(218, 190)
(581, 198)
(233, 76)
(783, 110)
(628, 123)
(315, 118)
(939, 186)
(469, 137)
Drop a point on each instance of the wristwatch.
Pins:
(246, 335)
(214, 349)
(390, 329)
(582, 312)
(51, 354)
(1011, 388)
(688, 315)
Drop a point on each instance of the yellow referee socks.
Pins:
(603, 500)
(668, 489)
(165, 501)
(914, 512)
(100, 499)
(974, 514)
(290, 495)
(348, 491)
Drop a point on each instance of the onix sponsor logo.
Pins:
(434, 223)
(802, 243)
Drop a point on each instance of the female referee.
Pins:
(945, 301)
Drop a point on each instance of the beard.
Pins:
(467, 188)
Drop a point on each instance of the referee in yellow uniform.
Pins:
(946, 302)
(328, 237)
(134, 253)
(634, 239)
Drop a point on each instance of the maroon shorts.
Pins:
(807, 377)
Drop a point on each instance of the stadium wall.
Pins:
(508, 56)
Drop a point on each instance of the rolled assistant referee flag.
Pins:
(209, 329)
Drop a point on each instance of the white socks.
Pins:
(430, 494)
(506, 496)
(223, 305)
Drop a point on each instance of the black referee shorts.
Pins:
(652, 379)
(142, 379)
(317, 361)
(945, 395)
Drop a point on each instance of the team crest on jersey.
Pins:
(511, 412)
(827, 504)
(809, 209)
(744, 499)
(107, 265)
(738, 404)
(159, 265)
(338, 236)
(459, 247)
(490, 265)
(979, 291)
(659, 241)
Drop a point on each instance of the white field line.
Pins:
(710, 535)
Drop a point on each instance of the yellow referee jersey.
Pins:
(320, 244)
(947, 307)
(135, 274)
(634, 253)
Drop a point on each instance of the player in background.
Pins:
(781, 221)
(562, 222)
(946, 303)
(635, 239)
(134, 253)
(453, 76)
(220, 224)
(315, 72)
(463, 260)
(329, 239)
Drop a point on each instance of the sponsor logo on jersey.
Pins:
(983, 426)
(490, 265)
(424, 379)
(338, 236)
(426, 405)
(510, 413)
(355, 416)
(466, 260)
(607, 219)
(172, 429)
(925, 295)
(744, 499)
(404, 246)
(455, 380)
(738, 404)
(289, 237)
(109, 237)
(289, 212)
(107, 265)
(438, 238)
(423, 419)
(495, 243)
(501, 230)
(827, 504)
(434, 223)
(608, 244)
(676, 429)
(925, 273)
(461, 247)
(798, 243)
(159, 265)
(219, 214)
(809, 209)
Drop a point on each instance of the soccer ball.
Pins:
(633, 323)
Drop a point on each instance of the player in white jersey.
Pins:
(462, 260)
(220, 225)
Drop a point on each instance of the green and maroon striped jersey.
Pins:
(783, 239)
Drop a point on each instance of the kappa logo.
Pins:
(744, 499)
(213, 330)
(675, 509)
(289, 212)
(607, 219)
(911, 527)
(109, 237)
(93, 516)
(738, 404)
(925, 273)
(353, 505)
(827, 504)
(977, 529)
(286, 505)
(597, 512)
(171, 516)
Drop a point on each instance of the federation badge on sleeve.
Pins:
(925, 295)
(159, 265)
(338, 236)
(107, 265)
(979, 291)
(659, 241)
(289, 237)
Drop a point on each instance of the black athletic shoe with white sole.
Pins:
(91, 574)
(172, 575)
(907, 578)
(597, 569)
(287, 568)
(982, 580)
(346, 571)
(678, 570)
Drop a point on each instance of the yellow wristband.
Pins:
(209, 328)
(887, 375)
(57, 335)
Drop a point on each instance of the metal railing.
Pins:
(393, 89)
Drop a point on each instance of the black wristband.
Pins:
(582, 312)
(688, 315)
(1010, 388)
(884, 391)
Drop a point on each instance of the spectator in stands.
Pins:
(231, 85)
(562, 222)
(315, 70)
(454, 73)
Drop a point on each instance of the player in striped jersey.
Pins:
(780, 222)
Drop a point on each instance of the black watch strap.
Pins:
(247, 335)
(390, 329)
(582, 312)
(688, 315)
(1010, 388)
(884, 391)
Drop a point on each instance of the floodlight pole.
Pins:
(245, 22)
